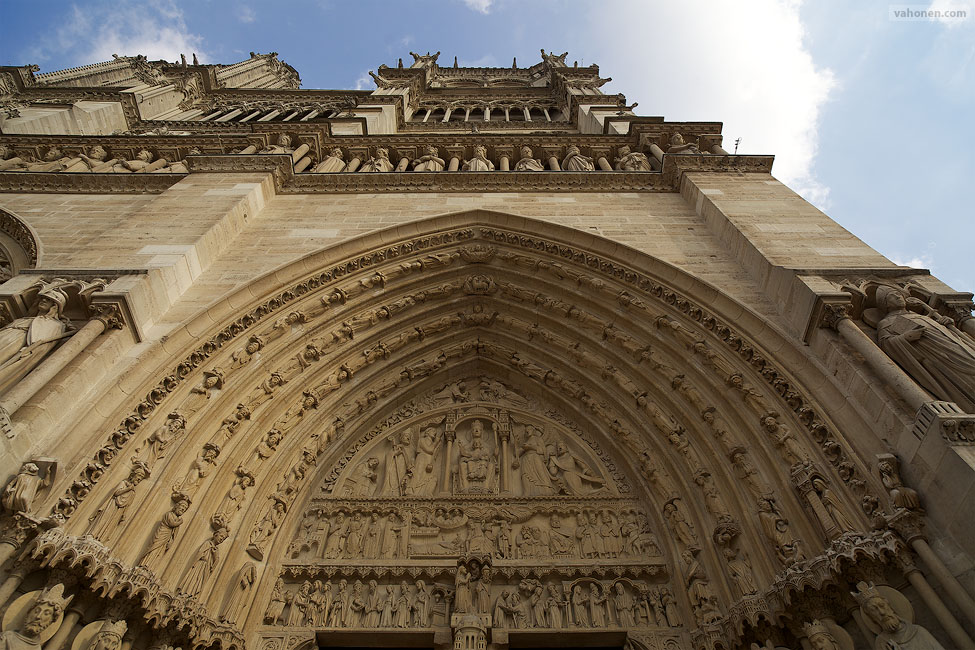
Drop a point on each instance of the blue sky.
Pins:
(866, 114)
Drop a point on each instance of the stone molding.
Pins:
(163, 610)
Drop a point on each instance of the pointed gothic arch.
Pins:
(682, 399)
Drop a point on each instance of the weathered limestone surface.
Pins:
(280, 389)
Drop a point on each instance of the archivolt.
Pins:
(636, 351)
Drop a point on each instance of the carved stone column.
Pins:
(14, 578)
(910, 527)
(935, 604)
(456, 155)
(72, 615)
(449, 434)
(835, 317)
(505, 435)
(105, 316)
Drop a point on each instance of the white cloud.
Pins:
(481, 6)
(920, 262)
(246, 15)
(364, 82)
(741, 63)
(954, 13)
(157, 30)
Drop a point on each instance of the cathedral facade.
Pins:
(477, 359)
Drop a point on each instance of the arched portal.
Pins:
(481, 424)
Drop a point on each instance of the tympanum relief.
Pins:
(480, 502)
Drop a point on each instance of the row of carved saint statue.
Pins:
(583, 603)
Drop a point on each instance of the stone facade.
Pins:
(479, 359)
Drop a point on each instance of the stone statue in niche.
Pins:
(41, 622)
(26, 341)
(399, 464)
(938, 356)
(627, 161)
(424, 479)
(678, 146)
(480, 162)
(20, 492)
(429, 161)
(892, 629)
(333, 162)
(575, 162)
(527, 162)
(477, 463)
(776, 528)
(900, 494)
(379, 162)
(282, 146)
(107, 522)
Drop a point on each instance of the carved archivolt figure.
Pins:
(575, 162)
(741, 572)
(23, 488)
(240, 594)
(158, 442)
(429, 161)
(833, 507)
(275, 610)
(206, 561)
(679, 524)
(527, 163)
(480, 162)
(108, 521)
(894, 631)
(45, 613)
(936, 355)
(26, 341)
(165, 533)
(627, 161)
(333, 162)
(776, 529)
(703, 601)
(379, 162)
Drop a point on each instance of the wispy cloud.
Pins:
(245, 14)
(480, 6)
(157, 30)
(364, 81)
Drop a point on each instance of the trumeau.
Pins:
(536, 372)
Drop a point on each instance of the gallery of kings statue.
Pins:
(478, 359)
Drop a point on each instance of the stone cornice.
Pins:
(54, 182)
